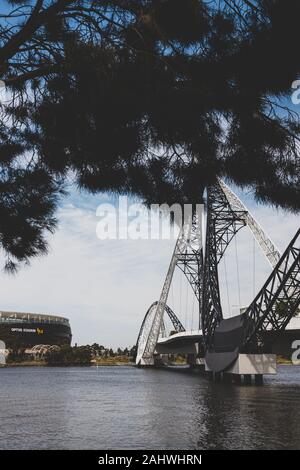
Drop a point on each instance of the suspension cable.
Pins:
(237, 272)
(254, 268)
(226, 281)
(193, 308)
(186, 304)
(172, 295)
(180, 288)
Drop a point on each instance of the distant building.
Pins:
(25, 330)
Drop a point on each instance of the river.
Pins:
(129, 408)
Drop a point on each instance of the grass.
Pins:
(113, 361)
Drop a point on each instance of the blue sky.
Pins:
(105, 286)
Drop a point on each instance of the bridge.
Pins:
(242, 344)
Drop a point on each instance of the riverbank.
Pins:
(111, 361)
(283, 361)
(25, 364)
(99, 362)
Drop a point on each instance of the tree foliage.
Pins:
(151, 97)
(69, 356)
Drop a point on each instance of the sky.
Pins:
(105, 286)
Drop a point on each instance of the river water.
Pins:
(129, 408)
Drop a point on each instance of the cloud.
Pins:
(103, 286)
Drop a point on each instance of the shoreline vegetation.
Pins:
(64, 356)
(82, 357)
(42, 363)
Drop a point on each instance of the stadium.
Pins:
(25, 330)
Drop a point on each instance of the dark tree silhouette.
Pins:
(151, 97)
(28, 200)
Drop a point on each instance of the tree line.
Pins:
(73, 355)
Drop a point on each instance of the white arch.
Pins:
(268, 248)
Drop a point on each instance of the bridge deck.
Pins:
(194, 335)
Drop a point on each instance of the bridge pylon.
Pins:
(187, 256)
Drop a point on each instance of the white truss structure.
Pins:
(268, 248)
(190, 239)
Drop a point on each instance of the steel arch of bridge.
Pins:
(143, 330)
(226, 215)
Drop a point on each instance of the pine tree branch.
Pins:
(35, 21)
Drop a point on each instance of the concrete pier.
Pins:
(246, 369)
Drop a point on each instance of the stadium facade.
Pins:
(25, 330)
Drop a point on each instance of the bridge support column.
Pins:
(218, 376)
(237, 379)
(247, 379)
(210, 374)
(259, 379)
(161, 359)
(191, 360)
